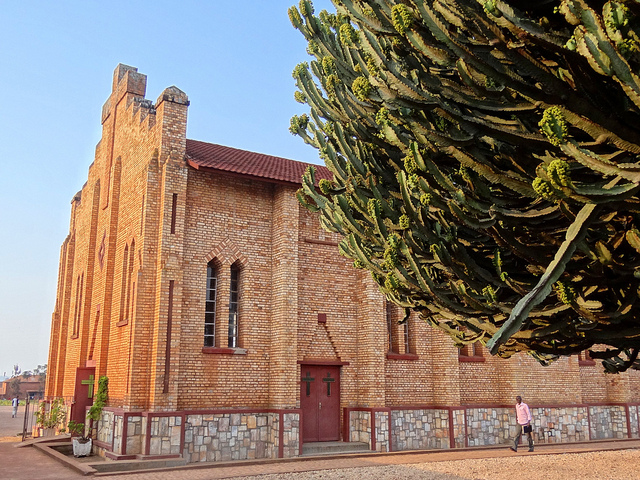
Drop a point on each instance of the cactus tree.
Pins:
(486, 164)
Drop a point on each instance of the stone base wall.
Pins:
(360, 426)
(166, 434)
(419, 429)
(106, 427)
(291, 435)
(210, 436)
(608, 422)
(633, 422)
(459, 428)
(232, 436)
(489, 426)
(560, 424)
(382, 431)
(136, 427)
(118, 423)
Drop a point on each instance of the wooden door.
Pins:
(320, 403)
(83, 397)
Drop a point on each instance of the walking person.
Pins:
(14, 403)
(523, 417)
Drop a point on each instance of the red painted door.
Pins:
(83, 397)
(320, 403)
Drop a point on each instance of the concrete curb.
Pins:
(46, 448)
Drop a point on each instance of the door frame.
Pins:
(85, 389)
(320, 363)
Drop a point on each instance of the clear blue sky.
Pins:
(233, 60)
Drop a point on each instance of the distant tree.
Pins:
(486, 161)
(41, 372)
(26, 374)
(14, 386)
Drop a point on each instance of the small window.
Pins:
(407, 336)
(471, 352)
(210, 306)
(400, 341)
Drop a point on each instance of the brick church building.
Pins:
(230, 327)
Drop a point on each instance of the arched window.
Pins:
(234, 297)
(210, 306)
(471, 352)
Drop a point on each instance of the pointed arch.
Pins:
(226, 265)
(227, 253)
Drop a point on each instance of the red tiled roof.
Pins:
(202, 155)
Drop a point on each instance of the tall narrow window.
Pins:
(210, 306)
(81, 304)
(233, 306)
(123, 286)
(77, 314)
(174, 206)
(390, 326)
(74, 329)
(406, 334)
(129, 281)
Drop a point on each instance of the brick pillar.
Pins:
(145, 307)
(101, 353)
(170, 265)
(171, 115)
(371, 343)
(283, 380)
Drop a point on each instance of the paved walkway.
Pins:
(28, 463)
(11, 427)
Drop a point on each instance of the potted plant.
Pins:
(81, 443)
(48, 419)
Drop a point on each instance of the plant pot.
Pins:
(48, 432)
(81, 447)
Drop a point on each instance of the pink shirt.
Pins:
(523, 414)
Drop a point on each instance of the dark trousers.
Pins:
(529, 436)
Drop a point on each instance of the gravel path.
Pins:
(611, 465)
